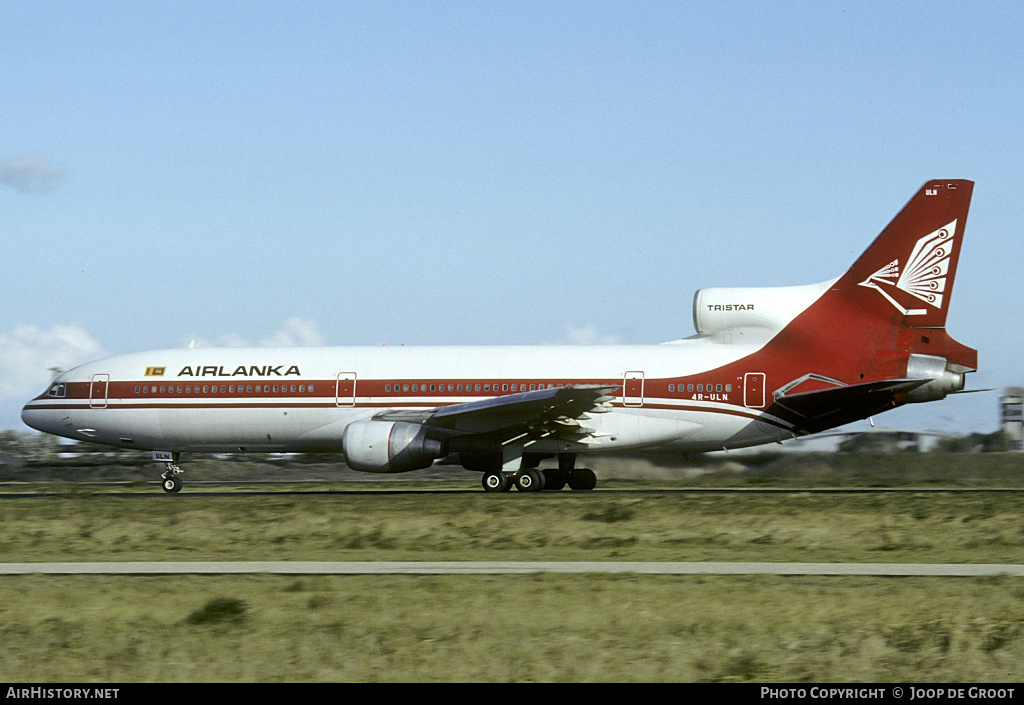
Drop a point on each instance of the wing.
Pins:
(544, 412)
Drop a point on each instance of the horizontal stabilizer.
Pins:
(827, 408)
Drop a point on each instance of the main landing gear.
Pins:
(534, 480)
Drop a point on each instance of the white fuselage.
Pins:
(301, 399)
(766, 364)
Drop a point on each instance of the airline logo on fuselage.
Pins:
(240, 371)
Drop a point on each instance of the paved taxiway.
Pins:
(505, 567)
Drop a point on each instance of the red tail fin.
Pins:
(908, 271)
(876, 338)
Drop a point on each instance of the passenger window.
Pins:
(728, 387)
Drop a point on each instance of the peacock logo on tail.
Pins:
(924, 276)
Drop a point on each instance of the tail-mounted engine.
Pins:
(943, 377)
(387, 446)
(771, 308)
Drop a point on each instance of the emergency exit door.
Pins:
(753, 390)
(345, 389)
(98, 391)
(633, 388)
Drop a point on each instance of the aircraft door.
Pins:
(753, 390)
(633, 388)
(345, 389)
(98, 391)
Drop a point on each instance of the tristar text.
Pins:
(240, 371)
(730, 307)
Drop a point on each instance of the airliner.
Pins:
(766, 365)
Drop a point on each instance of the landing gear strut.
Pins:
(171, 482)
(582, 479)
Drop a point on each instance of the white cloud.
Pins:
(294, 332)
(588, 335)
(30, 174)
(28, 354)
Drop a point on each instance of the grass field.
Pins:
(510, 628)
(540, 627)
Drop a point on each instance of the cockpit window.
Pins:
(58, 389)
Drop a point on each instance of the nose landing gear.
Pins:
(171, 482)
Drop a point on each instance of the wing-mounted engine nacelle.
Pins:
(389, 446)
(944, 377)
(719, 310)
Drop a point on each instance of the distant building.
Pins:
(1011, 406)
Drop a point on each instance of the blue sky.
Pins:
(350, 173)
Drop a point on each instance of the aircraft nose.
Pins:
(39, 419)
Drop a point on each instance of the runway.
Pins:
(961, 570)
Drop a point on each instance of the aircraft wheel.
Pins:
(172, 484)
(530, 481)
(583, 479)
(495, 482)
(555, 480)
